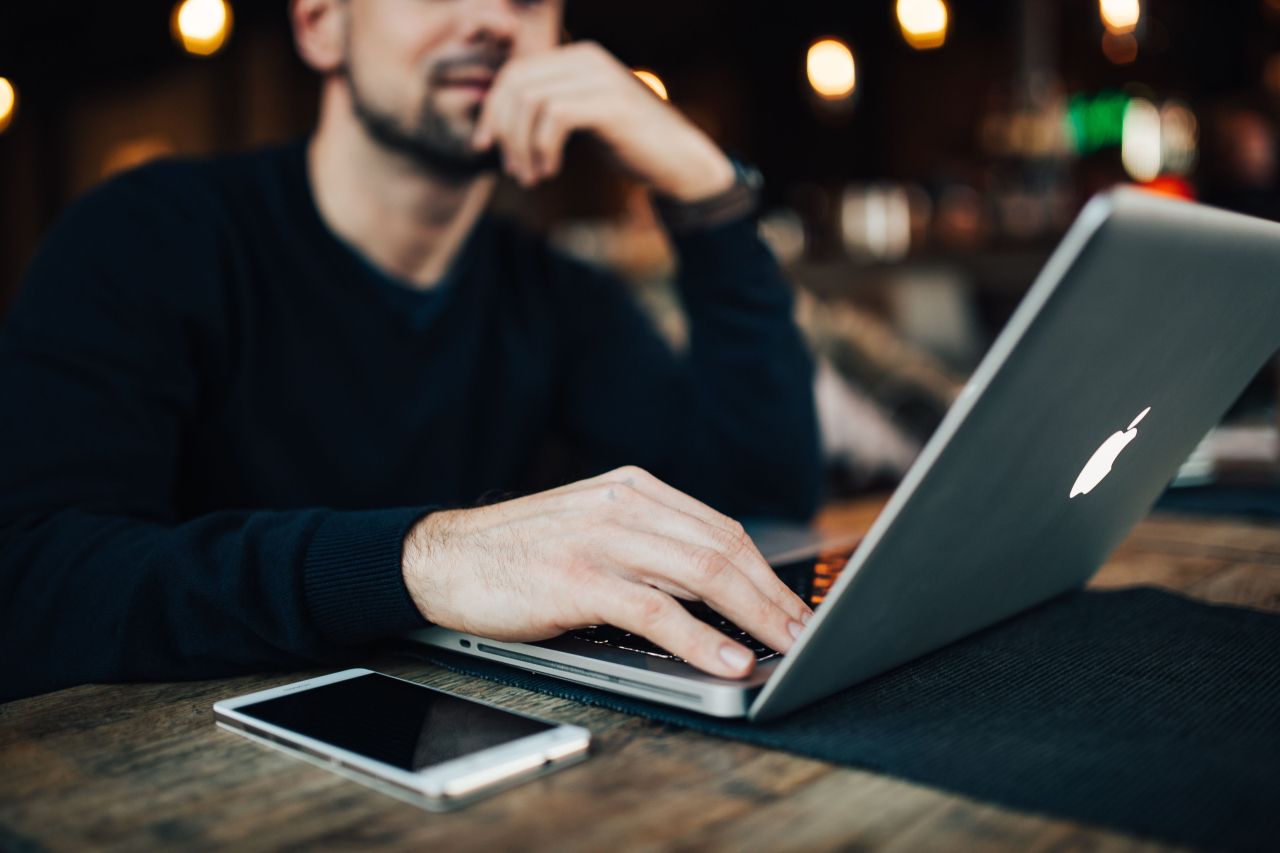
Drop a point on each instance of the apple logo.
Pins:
(1099, 464)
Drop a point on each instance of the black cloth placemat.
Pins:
(1138, 709)
(1260, 502)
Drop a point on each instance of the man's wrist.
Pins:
(352, 576)
(706, 175)
(740, 198)
(412, 562)
(420, 560)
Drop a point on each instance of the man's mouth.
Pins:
(478, 83)
(474, 77)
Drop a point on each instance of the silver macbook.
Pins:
(1144, 326)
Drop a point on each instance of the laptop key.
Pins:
(608, 635)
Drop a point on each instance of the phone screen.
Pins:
(396, 722)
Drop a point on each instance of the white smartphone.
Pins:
(423, 745)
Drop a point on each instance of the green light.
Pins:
(1096, 121)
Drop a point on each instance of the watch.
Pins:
(742, 198)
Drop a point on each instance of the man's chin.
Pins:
(437, 152)
(459, 162)
(439, 145)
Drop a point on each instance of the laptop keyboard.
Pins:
(810, 579)
(607, 635)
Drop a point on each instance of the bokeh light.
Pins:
(201, 26)
(1271, 74)
(653, 81)
(831, 69)
(1179, 138)
(923, 23)
(1170, 186)
(132, 153)
(8, 103)
(1120, 16)
(1141, 147)
(1119, 49)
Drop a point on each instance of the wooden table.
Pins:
(123, 767)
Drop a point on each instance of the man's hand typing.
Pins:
(617, 549)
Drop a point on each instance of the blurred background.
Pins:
(921, 157)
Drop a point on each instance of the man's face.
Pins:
(419, 70)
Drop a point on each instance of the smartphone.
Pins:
(423, 745)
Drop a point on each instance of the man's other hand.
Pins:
(617, 549)
(537, 101)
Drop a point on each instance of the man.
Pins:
(241, 395)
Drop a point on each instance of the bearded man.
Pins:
(250, 402)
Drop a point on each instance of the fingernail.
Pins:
(736, 657)
(806, 616)
(796, 629)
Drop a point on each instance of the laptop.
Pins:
(1146, 323)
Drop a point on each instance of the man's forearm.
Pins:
(753, 372)
(94, 597)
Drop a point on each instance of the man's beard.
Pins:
(429, 141)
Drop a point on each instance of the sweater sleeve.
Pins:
(731, 420)
(111, 352)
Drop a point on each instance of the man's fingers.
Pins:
(673, 497)
(709, 576)
(645, 513)
(548, 140)
(657, 617)
(514, 131)
(563, 112)
(730, 538)
(539, 124)
(519, 91)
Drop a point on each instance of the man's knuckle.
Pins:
(626, 493)
(634, 474)
(651, 608)
(555, 112)
(711, 566)
(729, 542)
(601, 494)
(527, 100)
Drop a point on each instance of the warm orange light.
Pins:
(134, 152)
(8, 103)
(653, 81)
(201, 26)
(831, 69)
(1120, 49)
(1120, 16)
(1271, 73)
(1170, 186)
(923, 22)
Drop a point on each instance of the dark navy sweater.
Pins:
(218, 421)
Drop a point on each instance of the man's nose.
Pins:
(489, 20)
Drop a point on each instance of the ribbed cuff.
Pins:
(352, 576)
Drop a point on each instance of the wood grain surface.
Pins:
(141, 766)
